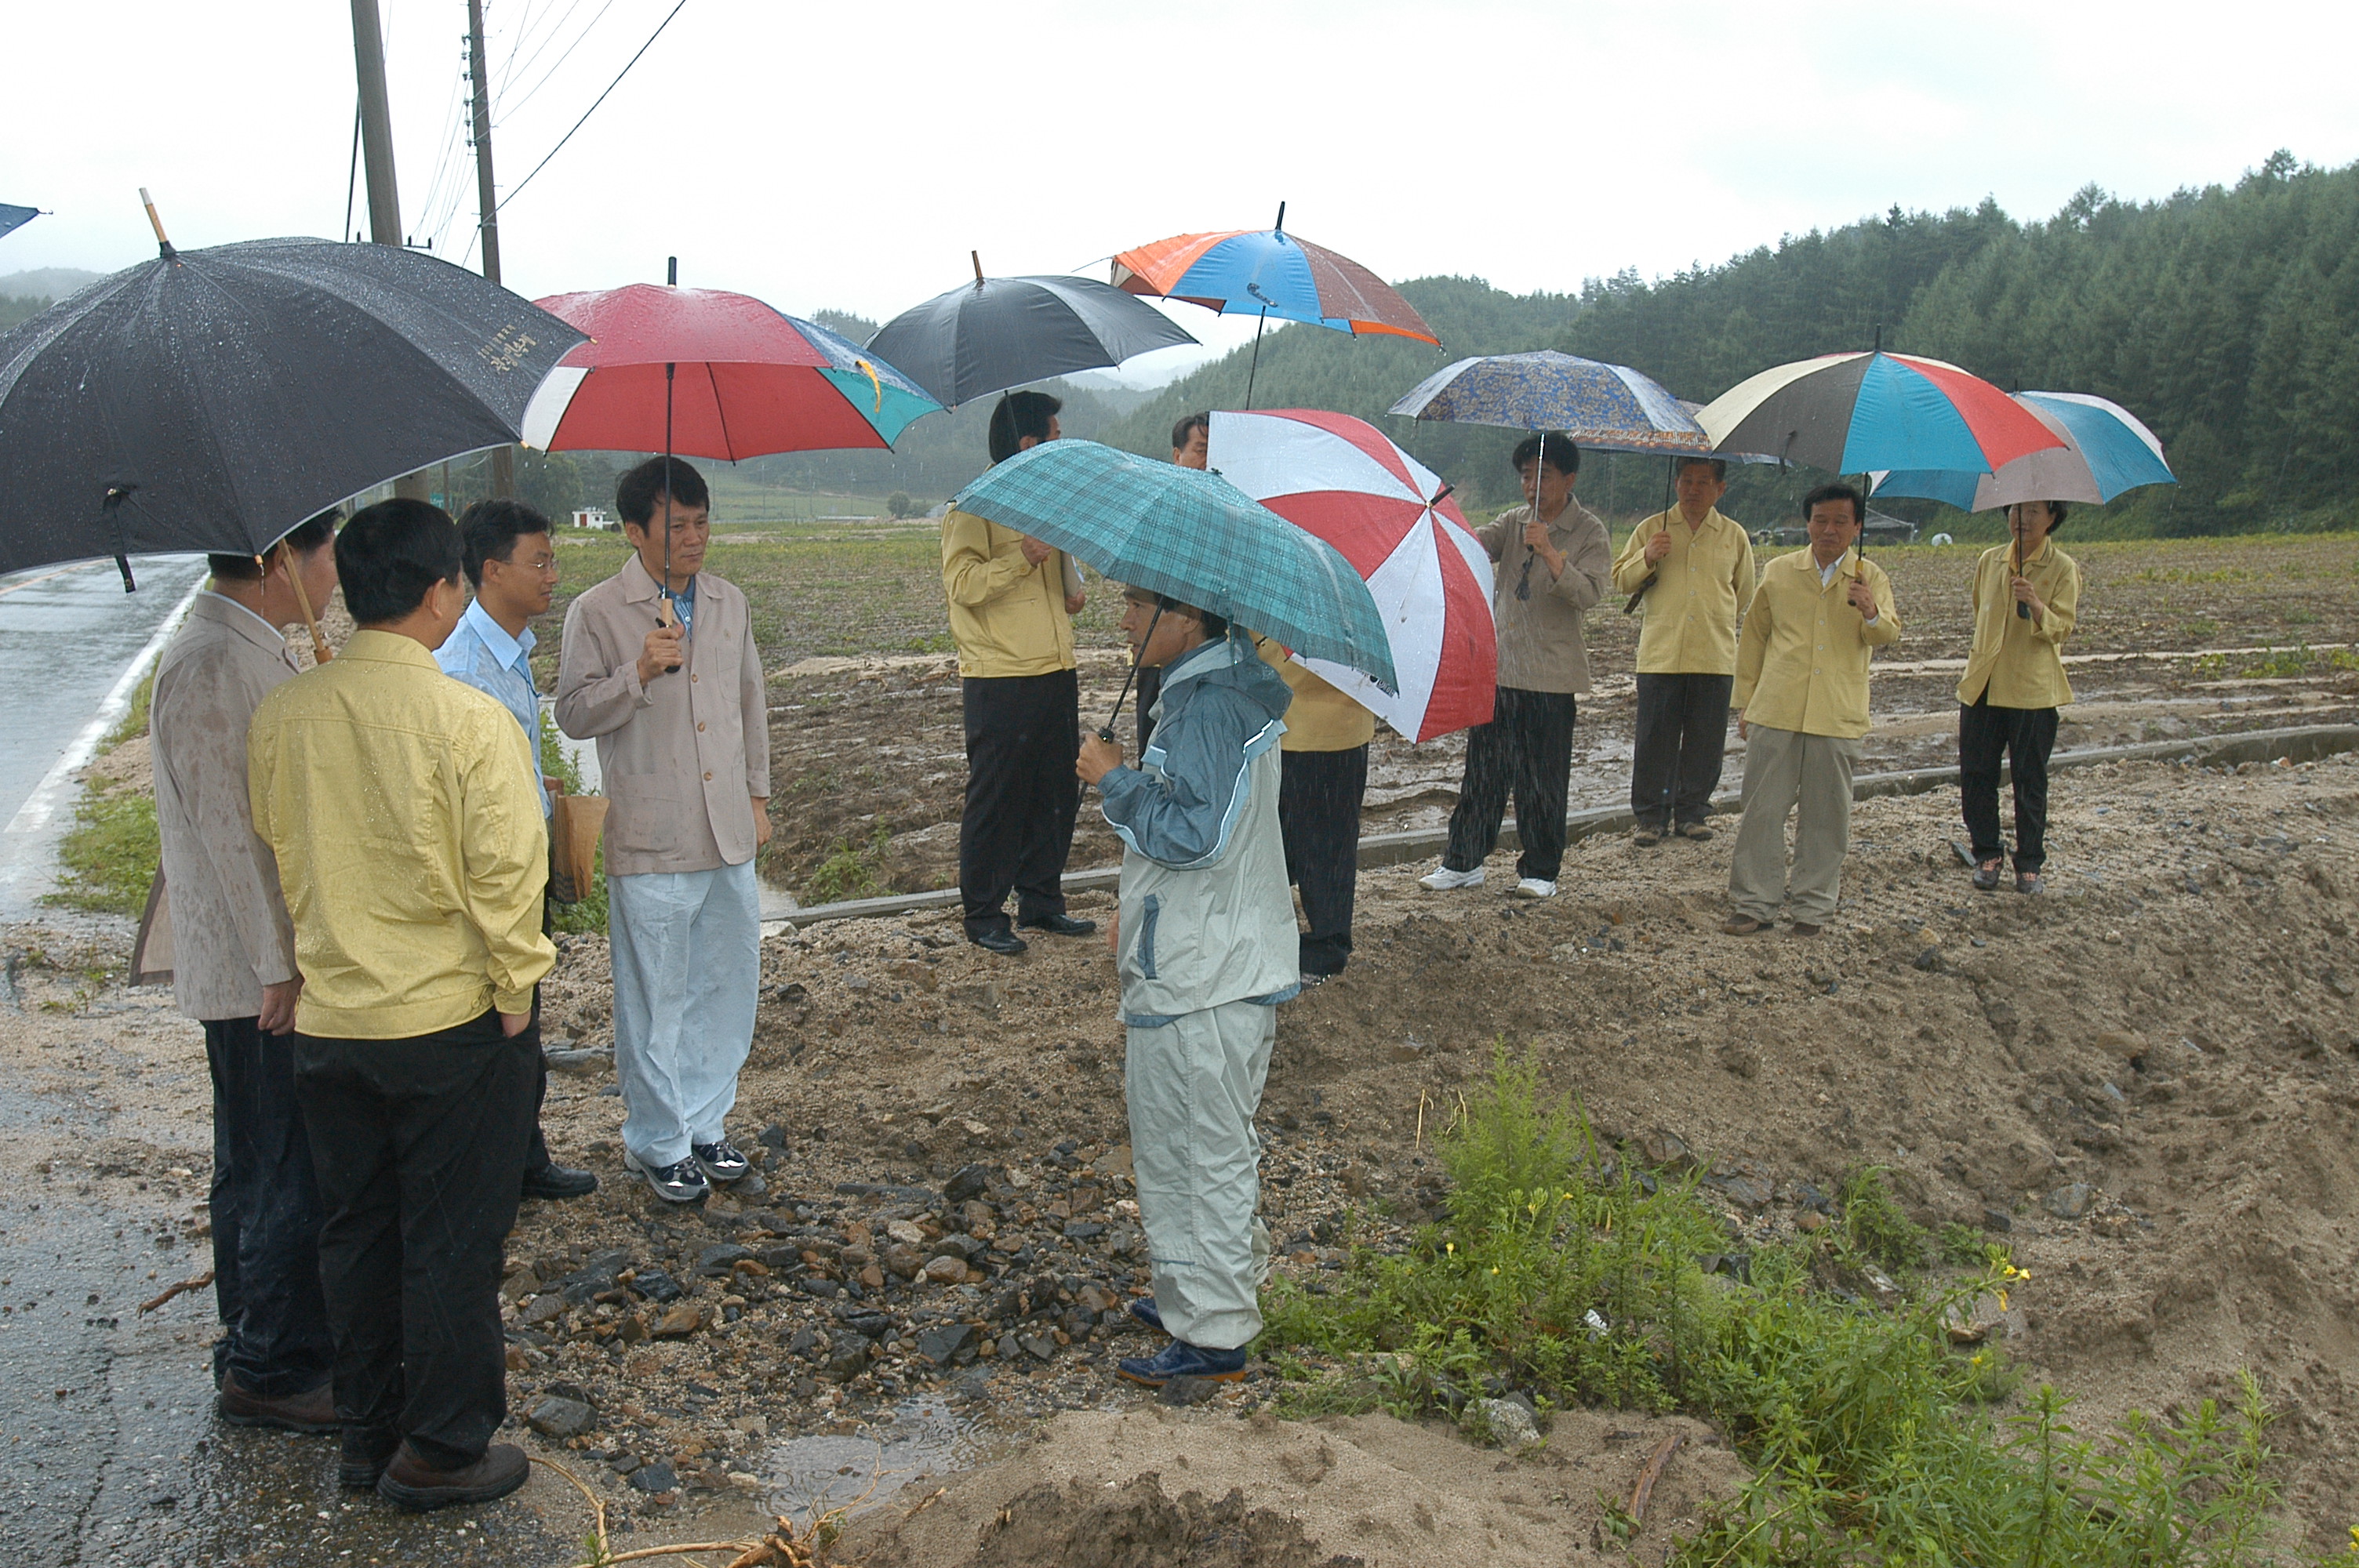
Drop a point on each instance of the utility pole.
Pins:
(487, 207)
(376, 157)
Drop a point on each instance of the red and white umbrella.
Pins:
(1340, 479)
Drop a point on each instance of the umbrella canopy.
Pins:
(1604, 407)
(2106, 450)
(998, 332)
(1192, 535)
(1390, 516)
(1852, 413)
(15, 218)
(1268, 272)
(748, 380)
(213, 399)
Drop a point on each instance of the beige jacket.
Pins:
(680, 758)
(1697, 593)
(1007, 615)
(231, 934)
(1540, 642)
(2018, 663)
(1803, 657)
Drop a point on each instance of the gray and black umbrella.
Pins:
(997, 332)
(213, 399)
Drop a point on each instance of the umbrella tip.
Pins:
(671, 272)
(1279, 227)
(976, 258)
(163, 246)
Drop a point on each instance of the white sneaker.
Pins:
(1532, 887)
(1444, 879)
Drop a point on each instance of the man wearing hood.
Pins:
(1205, 943)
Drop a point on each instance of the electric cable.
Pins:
(517, 189)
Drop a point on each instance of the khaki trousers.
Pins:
(1785, 769)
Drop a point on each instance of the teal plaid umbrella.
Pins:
(1192, 535)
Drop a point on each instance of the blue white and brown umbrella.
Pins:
(1604, 407)
(2107, 449)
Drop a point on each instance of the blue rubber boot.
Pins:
(1180, 1359)
(1143, 1309)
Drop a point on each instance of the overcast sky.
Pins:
(850, 154)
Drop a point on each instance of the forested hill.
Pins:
(2227, 318)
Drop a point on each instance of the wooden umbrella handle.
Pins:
(321, 651)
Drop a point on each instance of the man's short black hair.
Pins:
(1016, 416)
(490, 529)
(1188, 424)
(1559, 453)
(1719, 467)
(1215, 626)
(635, 492)
(1835, 492)
(390, 554)
(305, 536)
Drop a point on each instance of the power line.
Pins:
(579, 38)
(519, 188)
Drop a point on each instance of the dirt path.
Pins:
(2144, 1083)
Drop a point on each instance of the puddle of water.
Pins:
(921, 1437)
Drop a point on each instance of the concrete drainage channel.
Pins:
(2304, 744)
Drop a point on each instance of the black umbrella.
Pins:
(997, 332)
(213, 399)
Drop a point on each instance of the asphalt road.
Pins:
(68, 635)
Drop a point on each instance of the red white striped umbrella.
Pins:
(1340, 479)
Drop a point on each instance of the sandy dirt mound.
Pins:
(1197, 1490)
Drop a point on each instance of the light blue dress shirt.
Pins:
(480, 652)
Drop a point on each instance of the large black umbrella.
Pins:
(213, 399)
(997, 332)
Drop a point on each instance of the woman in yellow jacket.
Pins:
(2026, 599)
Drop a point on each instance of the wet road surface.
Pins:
(67, 636)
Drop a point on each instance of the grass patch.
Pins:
(108, 858)
(1561, 1271)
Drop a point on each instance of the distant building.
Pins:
(593, 517)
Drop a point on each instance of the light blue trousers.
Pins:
(687, 962)
(1193, 1085)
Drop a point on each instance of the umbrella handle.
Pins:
(1106, 732)
(321, 651)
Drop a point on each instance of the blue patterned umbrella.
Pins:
(13, 218)
(1604, 407)
(1192, 535)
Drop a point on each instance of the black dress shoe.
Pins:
(1005, 943)
(555, 1180)
(1060, 925)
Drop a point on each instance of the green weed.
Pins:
(850, 870)
(1874, 1225)
(2280, 664)
(1872, 1440)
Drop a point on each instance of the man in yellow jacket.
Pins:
(1801, 689)
(1695, 570)
(2026, 599)
(406, 823)
(1012, 614)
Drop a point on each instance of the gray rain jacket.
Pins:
(1206, 916)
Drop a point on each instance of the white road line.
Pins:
(42, 805)
(61, 571)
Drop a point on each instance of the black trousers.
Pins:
(2025, 736)
(1526, 749)
(1022, 735)
(1319, 814)
(1682, 739)
(419, 1145)
(266, 1217)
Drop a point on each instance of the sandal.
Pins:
(1986, 874)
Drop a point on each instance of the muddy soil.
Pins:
(2144, 1083)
